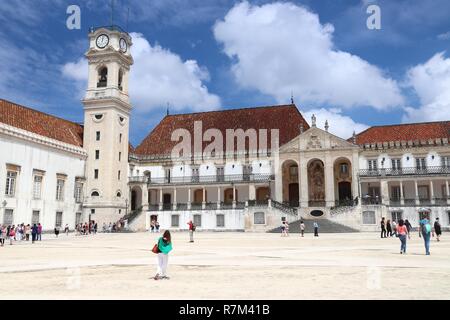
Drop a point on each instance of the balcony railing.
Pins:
(410, 171)
(222, 179)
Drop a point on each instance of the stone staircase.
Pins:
(325, 226)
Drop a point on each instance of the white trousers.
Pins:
(162, 263)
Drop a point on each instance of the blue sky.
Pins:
(218, 54)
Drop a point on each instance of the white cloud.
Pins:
(158, 77)
(339, 125)
(281, 47)
(431, 82)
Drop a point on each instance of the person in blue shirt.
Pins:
(164, 247)
(425, 232)
(316, 229)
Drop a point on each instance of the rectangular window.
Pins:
(220, 220)
(396, 215)
(448, 217)
(421, 164)
(96, 174)
(259, 218)
(11, 178)
(344, 168)
(372, 164)
(120, 156)
(60, 189)
(118, 175)
(97, 136)
(97, 154)
(35, 217)
(78, 192)
(395, 193)
(58, 220)
(446, 161)
(175, 220)
(8, 218)
(120, 138)
(195, 175)
(396, 164)
(424, 193)
(368, 217)
(198, 220)
(78, 218)
(37, 186)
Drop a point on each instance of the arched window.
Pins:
(120, 79)
(95, 194)
(102, 77)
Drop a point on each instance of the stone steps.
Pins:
(325, 226)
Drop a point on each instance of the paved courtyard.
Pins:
(226, 266)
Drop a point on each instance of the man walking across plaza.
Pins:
(383, 228)
(316, 229)
(191, 231)
(39, 232)
(302, 228)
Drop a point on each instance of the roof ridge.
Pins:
(234, 109)
(407, 124)
(41, 112)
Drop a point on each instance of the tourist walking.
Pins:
(164, 247)
(157, 226)
(437, 229)
(316, 229)
(66, 229)
(394, 227)
(34, 231)
(152, 226)
(302, 228)
(425, 232)
(408, 227)
(2, 235)
(57, 231)
(389, 228)
(191, 230)
(27, 232)
(12, 235)
(39, 232)
(402, 232)
(383, 228)
(283, 228)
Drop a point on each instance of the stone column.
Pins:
(402, 198)
(174, 198)
(234, 196)
(160, 198)
(329, 181)
(304, 194)
(251, 191)
(355, 169)
(385, 192)
(278, 182)
(218, 197)
(204, 198)
(447, 189)
(145, 198)
(416, 189)
(432, 192)
(189, 199)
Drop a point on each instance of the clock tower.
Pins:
(106, 124)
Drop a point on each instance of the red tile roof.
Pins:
(405, 132)
(41, 123)
(286, 118)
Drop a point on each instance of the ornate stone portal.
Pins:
(316, 181)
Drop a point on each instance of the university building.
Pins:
(57, 172)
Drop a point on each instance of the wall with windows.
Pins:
(35, 194)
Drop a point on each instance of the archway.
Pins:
(343, 180)
(291, 193)
(262, 194)
(136, 198)
(316, 183)
(228, 196)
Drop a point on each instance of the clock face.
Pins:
(123, 45)
(102, 41)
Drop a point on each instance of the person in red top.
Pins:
(402, 233)
(191, 231)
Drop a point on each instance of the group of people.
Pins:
(20, 232)
(285, 228)
(86, 228)
(404, 228)
(154, 226)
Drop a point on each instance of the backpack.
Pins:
(426, 228)
(193, 227)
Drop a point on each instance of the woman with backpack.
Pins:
(402, 232)
(162, 248)
(425, 232)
